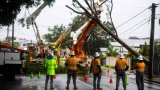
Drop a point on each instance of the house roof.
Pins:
(132, 42)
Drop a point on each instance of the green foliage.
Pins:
(61, 69)
(34, 66)
(9, 9)
(109, 66)
(157, 48)
(83, 71)
(54, 33)
(9, 38)
(145, 50)
(78, 21)
(112, 51)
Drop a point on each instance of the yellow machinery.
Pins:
(56, 46)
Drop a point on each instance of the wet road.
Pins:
(25, 83)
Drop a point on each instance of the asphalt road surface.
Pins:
(26, 83)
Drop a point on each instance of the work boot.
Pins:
(52, 87)
(67, 87)
(45, 87)
(75, 87)
(116, 88)
(94, 87)
(98, 87)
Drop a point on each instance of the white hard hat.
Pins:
(96, 54)
(72, 53)
(140, 57)
(121, 55)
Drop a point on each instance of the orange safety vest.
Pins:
(72, 63)
(94, 66)
(140, 66)
(121, 64)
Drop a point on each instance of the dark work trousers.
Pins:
(73, 75)
(139, 80)
(95, 77)
(119, 76)
(51, 80)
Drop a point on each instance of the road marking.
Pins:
(86, 84)
(82, 83)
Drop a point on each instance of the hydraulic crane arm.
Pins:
(31, 20)
(85, 31)
(59, 40)
(34, 15)
(57, 43)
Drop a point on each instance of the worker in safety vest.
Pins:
(72, 63)
(121, 67)
(51, 66)
(140, 67)
(95, 68)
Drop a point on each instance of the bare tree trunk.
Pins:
(95, 17)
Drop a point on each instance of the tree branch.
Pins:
(86, 11)
(102, 3)
(90, 7)
(75, 10)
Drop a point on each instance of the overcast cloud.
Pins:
(123, 10)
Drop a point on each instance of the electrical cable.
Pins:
(138, 27)
(20, 32)
(132, 18)
(132, 27)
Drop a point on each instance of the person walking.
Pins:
(71, 63)
(50, 66)
(140, 67)
(95, 68)
(121, 67)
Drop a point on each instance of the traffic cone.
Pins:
(54, 76)
(39, 75)
(31, 75)
(85, 78)
(127, 80)
(110, 81)
(107, 71)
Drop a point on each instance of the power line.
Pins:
(23, 33)
(132, 27)
(132, 18)
(138, 27)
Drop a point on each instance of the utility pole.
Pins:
(12, 35)
(7, 34)
(151, 54)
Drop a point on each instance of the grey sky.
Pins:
(122, 11)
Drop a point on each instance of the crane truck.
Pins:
(10, 60)
(81, 35)
(31, 21)
(56, 45)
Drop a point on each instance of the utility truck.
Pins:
(10, 60)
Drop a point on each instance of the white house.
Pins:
(133, 43)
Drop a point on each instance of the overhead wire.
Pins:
(132, 18)
(138, 27)
(20, 32)
(132, 27)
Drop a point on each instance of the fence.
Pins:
(112, 60)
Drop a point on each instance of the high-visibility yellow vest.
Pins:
(50, 65)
